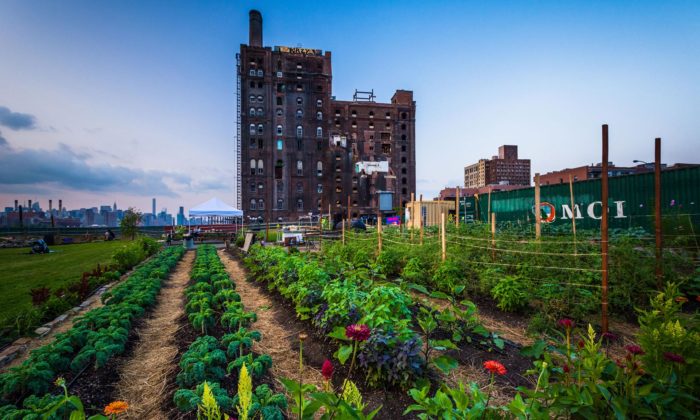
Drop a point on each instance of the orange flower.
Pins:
(494, 367)
(115, 408)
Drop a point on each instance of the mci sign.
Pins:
(593, 211)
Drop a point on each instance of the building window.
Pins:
(403, 170)
(261, 186)
(319, 132)
(354, 124)
(319, 188)
(251, 113)
(260, 98)
(300, 101)
(403, 159)
(388, 115)
(337, 113)
(260, 128)
(403, 137)
(300, 168)
(280, 204)
(404, 181)
(260, 73)
(299, 87)
(252, 72)
(280, 144)
(260, 143)
(280, 186)
(260, 167)
(300, 131)
(253, 142)
(404, 191)
(280, 129)
(279, 100)
(252, 129)
(252, 84)
(403, 126)
(261, 204)
(251, 98)
(371, 114)
(300, 204)
(260, 112)
(253, 204)
(371, 125)
(354, 114)
(252, 187)
(318, 204)
(403, 147)
(300, 188)
(404, 115)
(319, 168)
(319, 103)
(252, 166)
(319, 115)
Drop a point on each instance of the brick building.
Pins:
(505, 169)
(592, 171)
(299, 150)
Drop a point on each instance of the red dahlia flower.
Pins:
(566, 323)
(634, 349)
(327, 370)
(681, 299)
(357, 332)
(673, 357)
(495, 367)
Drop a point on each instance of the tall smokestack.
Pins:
(50, 205)
(16, 205)
(154, 206)
(29, 207)
(60, 206)
(255, 29)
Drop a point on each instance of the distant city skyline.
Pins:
(106, 101)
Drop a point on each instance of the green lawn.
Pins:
(21, 271)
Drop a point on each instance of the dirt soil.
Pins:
(144, 377)
(280, 328)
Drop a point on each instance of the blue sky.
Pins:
(134, 99)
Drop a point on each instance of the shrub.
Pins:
(511, 293)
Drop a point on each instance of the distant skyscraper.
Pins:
(115, 206)
(154, 207)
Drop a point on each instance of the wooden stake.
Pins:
(488, 209)
(379, 233)
(604, 230)
(493, 236)
(343, 228)
(538, 216)
(457, 206)
(573, 210)
(420, 218)
(442, 234)
(657, 214)
(349, 209)
(413, 214)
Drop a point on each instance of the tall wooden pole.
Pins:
(442, 234)
(604, 229)
(493, 236)
(343, 232)
(573, 210)
(348, 209)
(657, 213)
(420, 217)
(457, 206)
(538, 216)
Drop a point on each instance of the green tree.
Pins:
(130, 223)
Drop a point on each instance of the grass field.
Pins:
(20, 271)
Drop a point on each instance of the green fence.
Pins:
(630, 203)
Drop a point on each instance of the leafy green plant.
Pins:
(236, 343)
(511, 293)
(257, 366)
(203, 361)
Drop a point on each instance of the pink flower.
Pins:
(567, 368)
(673, 357)
(327, 369)
(495, 367)
(609, 337)
(566, 323)
(357, 332)
(634, 349)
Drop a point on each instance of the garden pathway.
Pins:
(280, 343)
(145, 377)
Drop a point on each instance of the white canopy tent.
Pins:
(216, 212)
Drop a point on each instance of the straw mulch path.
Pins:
(280, 343)
(144, 378)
